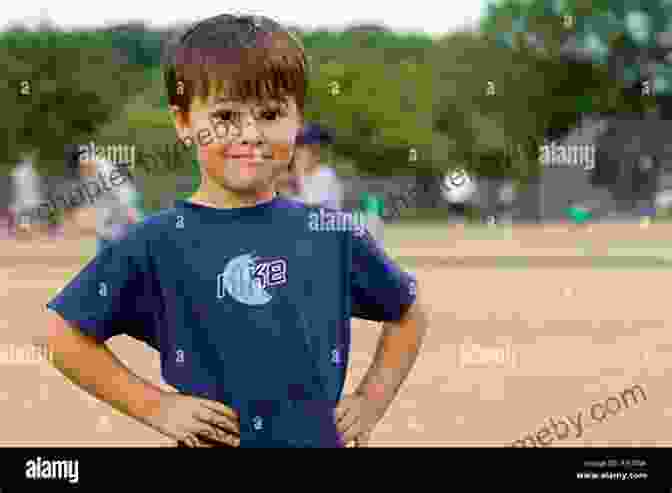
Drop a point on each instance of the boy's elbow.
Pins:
(416, 316)
(56, 328)
(62, 336)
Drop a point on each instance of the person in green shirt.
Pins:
(373, 209)
(579, 215)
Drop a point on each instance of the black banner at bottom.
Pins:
(452, 469)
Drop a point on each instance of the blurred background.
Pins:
(410, 96)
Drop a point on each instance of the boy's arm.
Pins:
(398, 348)
(397, 351)
(90, 365)
(381, 291)
(93, 367)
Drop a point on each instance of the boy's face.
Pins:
(243, 146)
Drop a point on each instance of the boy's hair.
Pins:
(256, 55)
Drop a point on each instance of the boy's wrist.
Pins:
(148, 405)
(376, 399)
(374, 392)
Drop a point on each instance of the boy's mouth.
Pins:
(248, 159)
(248, 153)
(248, 156)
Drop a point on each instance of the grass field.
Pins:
(570, 334)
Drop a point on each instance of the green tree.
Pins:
(140, 45)
(493, 101)
(379, 109)
(628, 40)
(59, 88)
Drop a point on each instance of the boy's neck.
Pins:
(231, 200)
(314, 169)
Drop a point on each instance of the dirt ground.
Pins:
(571, 338)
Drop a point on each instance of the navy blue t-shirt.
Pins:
(250, 307)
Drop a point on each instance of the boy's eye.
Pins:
(270, 114)
(225, 115)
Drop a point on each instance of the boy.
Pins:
(249, 308)
(319, 184)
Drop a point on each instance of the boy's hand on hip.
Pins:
(356, 418)
(185, 418)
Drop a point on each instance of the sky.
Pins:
(423, 16)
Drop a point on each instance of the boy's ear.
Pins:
(180, 117)
(181, 121)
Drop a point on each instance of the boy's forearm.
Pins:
(395, 356)
(94, 368)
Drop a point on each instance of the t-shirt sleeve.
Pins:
(380, 289)
(114, 294)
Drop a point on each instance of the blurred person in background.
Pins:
(579, 215)
(315, 181)
(288, 184)
(114, 210)
(26, 197)
(663, 203)
(372, 210)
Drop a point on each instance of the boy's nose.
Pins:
(249, 132)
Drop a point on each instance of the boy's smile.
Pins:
(248, 161)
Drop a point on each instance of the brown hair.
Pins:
(243, 57)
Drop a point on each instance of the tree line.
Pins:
(456, 102)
